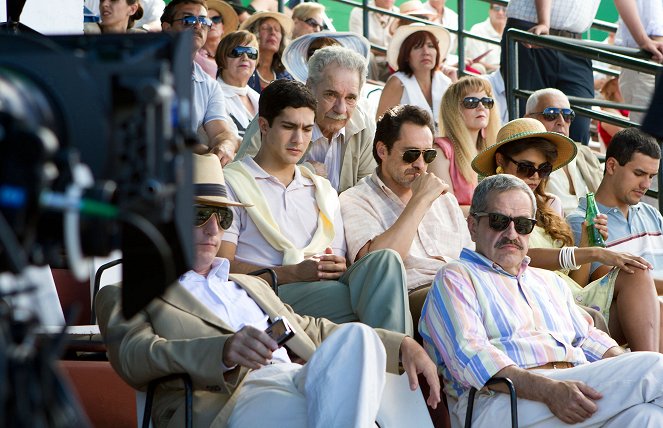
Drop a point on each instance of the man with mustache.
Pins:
(491, 315)
(631, 163)
(208, 109)
(295, 226)
(342, 135)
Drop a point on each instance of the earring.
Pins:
(499, 170)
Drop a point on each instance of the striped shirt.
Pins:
(570, 15)
(479, 319)
(640, 234)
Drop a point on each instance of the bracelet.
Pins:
(567, 258)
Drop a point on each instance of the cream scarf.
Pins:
(247, 191)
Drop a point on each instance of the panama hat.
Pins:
(404, 31)
(209, 186)
(519, 129)
(294, 55)
(230, 18)
(286, 22)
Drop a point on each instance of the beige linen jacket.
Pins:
(178, 334)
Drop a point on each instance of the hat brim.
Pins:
(405, 31)
(294, 55)
(230, 18)
(286, 23)
(484, 163)
(219, 201)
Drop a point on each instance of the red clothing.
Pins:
(462, 189)
(605, 137)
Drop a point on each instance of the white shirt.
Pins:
(651, 17)
(327, 153)
(450, 21)
(378, 25)
(499, 93)
(413, 95)
(474, 48)
(228, 301)
(294, 209)
(569, 15)
(236, 110)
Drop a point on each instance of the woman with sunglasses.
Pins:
(117, 16)
(626, 295)
(469, 121)
(308, 17)
(224, 20)
(416, 52)
(236, 57)
(272, 29)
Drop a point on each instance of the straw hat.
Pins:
(230, 18)
(415, 7)
(404, 31)
(209, 187)
(286, 22)
(294, 55)
(519, 129)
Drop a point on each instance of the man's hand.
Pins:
(415, 361)
(330, 266)
(428, 187)
(225, 150)
(249, 347)
(600, 224)
(319, 168)
(572, 401)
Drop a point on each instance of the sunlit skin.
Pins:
(532, 156)
(199, 31)
(552, 100)
(422, 58)
(286, 140)
(214, 33)
(207, 241)
(506, 248)
(302, 27)
(238, 70)
(477, 118)
(115, 15)
(629, 182)
(337, 94)
(269, 35)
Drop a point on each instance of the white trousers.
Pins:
(341, 386)
(631, 384)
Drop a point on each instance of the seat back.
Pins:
(70, 292)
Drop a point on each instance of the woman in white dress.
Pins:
(236, 57)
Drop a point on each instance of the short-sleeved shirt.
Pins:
(294, 209)
(207, 102)
(370, 208)
(569, 15)
(640, 234)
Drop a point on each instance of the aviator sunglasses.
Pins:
(527, 169)
(313, 23)
(191, 21)
(499, 222)
(238, 51)
(473, 102)
(551, 113)
(202, 214)
(411, 155)
(217, 19)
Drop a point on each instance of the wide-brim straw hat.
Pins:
(285, 21)
(415, 7)
(209, 186)
(404, 31)
(230, 18)
(519, 129)
(294, 55)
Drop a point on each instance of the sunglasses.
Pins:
(191, 21)
(202, 214)
(498, 8)
(526, 169)
(238, 51)
(499, 222)
(412, 155)
(313, 23)
(552, 113)
(217, 19)
(473, 102)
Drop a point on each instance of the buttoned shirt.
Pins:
(479, 319)
(327, 153)
(650, 13)
(640, 234)
(228, 301)
(475, 48)
(294, 209)
(370, 208)
(569, 15)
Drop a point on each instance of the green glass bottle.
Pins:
(594, 237)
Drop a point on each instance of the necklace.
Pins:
(263, 80)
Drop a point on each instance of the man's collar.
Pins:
(317, 134)
(259, 173)
(198, 74)
(220, 269)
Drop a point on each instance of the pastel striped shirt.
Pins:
(479, 319)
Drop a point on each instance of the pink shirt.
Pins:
(463, 190)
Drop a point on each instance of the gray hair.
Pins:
(533, 99)
(344, 57)
(496, 184)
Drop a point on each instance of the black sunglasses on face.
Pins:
(313, 23)
(473, 102)
(202, 214)
(238, 51)
(552, 113)
(499, 222)
(527, 169)
(411, 155)
(191, 21)
(217, 19)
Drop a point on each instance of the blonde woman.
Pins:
(469, 120)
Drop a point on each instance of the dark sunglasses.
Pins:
(498, 8)
(473, 102)
(412, 155)
(527, 169)
(202, 214)
(500, 222)
(238, 51)
(217, 19)
(191, 21)
(313, 23)
(552, 113)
